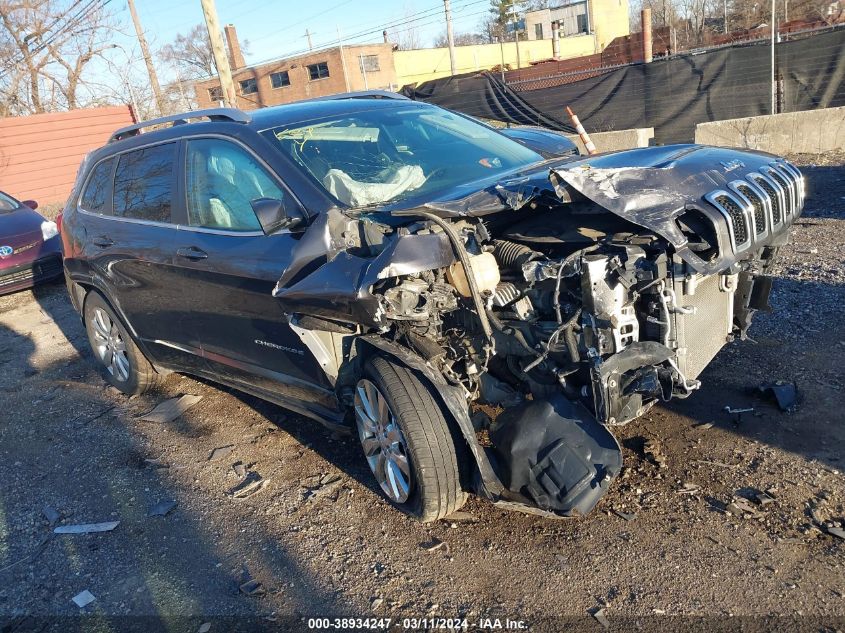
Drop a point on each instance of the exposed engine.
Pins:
(566, 308)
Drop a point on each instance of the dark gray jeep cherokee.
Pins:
(401, 270)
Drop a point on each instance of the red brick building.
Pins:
(314, 74)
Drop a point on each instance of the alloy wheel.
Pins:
(109, 345)
(384, 444)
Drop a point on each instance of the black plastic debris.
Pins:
(785, 394)
(161, 508)
(51, 514)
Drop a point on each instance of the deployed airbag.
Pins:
(554, 453)
(358, 194)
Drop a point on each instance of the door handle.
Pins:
(192, 252)
(103, 241)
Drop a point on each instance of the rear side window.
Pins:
(95, 198)
(143, 183)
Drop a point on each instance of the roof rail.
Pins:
(213, 114)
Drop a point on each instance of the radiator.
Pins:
(701, 332)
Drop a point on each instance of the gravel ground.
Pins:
(675, 544)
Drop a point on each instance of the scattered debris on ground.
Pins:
(785, 394)
(87, 528)
(83, 599)
(170, 409)
(162, 508)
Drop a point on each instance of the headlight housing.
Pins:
(49, 229)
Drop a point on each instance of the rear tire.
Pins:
(421, 452)
(122, 364)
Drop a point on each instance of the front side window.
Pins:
(249, 86)
(280, 79)
(143, 183)
(383, 155)
(222, 181)
(95, 197)
(318, 71)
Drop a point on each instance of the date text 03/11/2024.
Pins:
(422, 624)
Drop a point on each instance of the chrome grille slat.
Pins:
(786, 187)
(775, 195)
(799, 179)
(760, 203)
(737, 211)
(758, 208)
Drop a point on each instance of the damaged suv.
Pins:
(480, 315)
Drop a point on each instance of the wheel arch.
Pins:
(450, 398)
(80, 291)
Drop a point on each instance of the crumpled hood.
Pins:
(652, 186)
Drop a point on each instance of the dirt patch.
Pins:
(715, 513)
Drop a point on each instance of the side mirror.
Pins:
(274, 214)
(32, 204)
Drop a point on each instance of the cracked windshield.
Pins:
(374, 157)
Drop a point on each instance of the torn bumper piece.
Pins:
(552, 454)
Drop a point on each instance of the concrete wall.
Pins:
(40, 154)
(810, 131)
(423, 64)
(301, 85)
(617, 140)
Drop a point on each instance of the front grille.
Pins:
(737, 218)
(46, 268)
(787, 189)
(773, 195)
(759, 208)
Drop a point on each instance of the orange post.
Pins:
(585, 138)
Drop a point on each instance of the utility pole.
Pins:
(308, 36)
(774, 34)
(148, 60)
(450, 35)
(726, 17)
(363, 71)
(343, 57)
(221, 60)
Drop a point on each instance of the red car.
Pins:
(30, 247)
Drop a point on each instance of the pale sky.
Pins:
(276, 29)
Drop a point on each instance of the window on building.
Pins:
(143, 183)
(280, 79)
(582, 23)
(319, 70)
(249, 86)
(95, 197)
(369, 63)
(215, 93)
(222, 181)
(538, 31)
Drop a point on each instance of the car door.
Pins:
(231, 267)
(127, 209)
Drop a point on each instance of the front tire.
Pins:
(407, 442)
(122, 364)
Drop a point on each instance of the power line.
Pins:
(89, 9)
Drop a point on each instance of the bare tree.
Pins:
(190, 54)
(461, 39)
(406, 35)
(48, 45)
